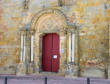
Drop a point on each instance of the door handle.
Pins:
(55, 56)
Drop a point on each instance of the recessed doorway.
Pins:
(50, 52)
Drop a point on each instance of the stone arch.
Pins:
(49, 17)
(49, 21)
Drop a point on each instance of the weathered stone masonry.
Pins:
(89, 20)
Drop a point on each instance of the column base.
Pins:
(21, 69)
(31, 68)
(109, 72)
(71, 70)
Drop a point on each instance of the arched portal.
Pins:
(45, 22)
(49, 19)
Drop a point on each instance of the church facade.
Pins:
(56, 37)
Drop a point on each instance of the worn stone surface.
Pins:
(94, 72)
(91, 16)
(21, 69)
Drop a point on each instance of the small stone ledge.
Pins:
(94, 72)
(21, 69)
(109, 72)
(71, 70)
(8, 70)
(31, 68)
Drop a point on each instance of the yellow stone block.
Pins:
(98, 19)
(108, 12)
(1, 50)
(3, 42)
(54, 4)
(0, 20)
(92, 36)
(81, 21)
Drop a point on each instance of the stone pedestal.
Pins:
(71, 70)
(109, 72)
(94, 72)
(31, 69)
(21, 69)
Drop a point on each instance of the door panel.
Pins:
(50, 50)
(46, 52)
(55, 52)
(55, 42)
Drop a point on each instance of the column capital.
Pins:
(32, 32)
(23, 32)
(71, 29)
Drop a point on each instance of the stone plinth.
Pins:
(94, 72)
(71, 70)
(31, 68)
(21, 69)
(109, 72)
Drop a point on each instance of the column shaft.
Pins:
(24, 53)
(21, 57)
(73, 47)
(32, 48)
(69, 50)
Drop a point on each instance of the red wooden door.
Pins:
(50, 53)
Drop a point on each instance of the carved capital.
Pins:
(71, 29)
(32, 32)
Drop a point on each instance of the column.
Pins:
(73, 47)
(21, 57)
(32, 48)
(21, 67)
(70, 47)
(31, 66)
(24, 50)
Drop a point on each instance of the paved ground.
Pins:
(50, 80)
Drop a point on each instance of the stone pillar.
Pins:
(21, 67)
(109, 71)
(32, 48)
(21, 57)
(73, 47)
(24, 49)
(69, 47)
(71, 67)
(109, 55)
(31, 64)
(63, 51)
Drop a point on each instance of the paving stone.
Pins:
(1, 81)
(66, 81)
(51, 80)
(100, 81)
(16, 81)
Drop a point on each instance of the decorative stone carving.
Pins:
(21, 69)
(71, 70)
(26, 2)
(66, 2)
(49, 20)
(47, 23)
(31, 69)
(109, 72)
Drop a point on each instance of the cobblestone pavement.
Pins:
(50, 80)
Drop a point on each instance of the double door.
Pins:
(50, 53)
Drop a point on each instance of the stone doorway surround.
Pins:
(51, 21)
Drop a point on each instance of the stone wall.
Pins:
(91, 16)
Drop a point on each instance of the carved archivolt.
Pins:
(49, 20)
